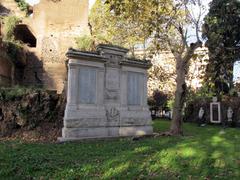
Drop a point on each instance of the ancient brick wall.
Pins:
(55, 25)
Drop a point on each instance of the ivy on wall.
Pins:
(13, 47)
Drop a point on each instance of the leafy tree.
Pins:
(107, 28)
(160, 98)
(221, 29)
(166, 23)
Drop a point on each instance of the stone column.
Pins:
(100, 87)
(145, 104)
(72, 85)
(123, 91)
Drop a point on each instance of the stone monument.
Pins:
(201, 117)
(230, 114)
(215, 111)
(107, 95)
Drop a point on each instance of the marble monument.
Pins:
(107, 95)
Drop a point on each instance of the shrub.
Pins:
(10, 23)
(85, 43)
(7, 94)
(14, 48)
(22, 5)
(157, 100)
(89, 43)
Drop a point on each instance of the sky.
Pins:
(206, 2)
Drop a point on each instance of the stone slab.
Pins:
(104, 132)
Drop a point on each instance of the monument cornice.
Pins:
(76, 54)
(137, 63)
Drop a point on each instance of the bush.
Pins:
(22, 5)
(157, 100)
(89, 43)
(8, 94)
(14, 48)
(10, 23)
(85, 43)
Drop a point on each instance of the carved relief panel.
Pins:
(112, 84)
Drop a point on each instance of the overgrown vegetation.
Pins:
(90, 42)
(23, 5)
(211, 153)
(10, 23)
(85, 43)
(8, 94)
(117, 30)
(24, 109)
(14, 48)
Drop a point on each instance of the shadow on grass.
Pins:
(204, 153)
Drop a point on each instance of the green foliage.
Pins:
(14, 48)
(170, 104)
(16, 92)
(22, 5)
(221, 29)
(10, 23)
(203, 93)
(85, 43)
(111, 29)
(197, 99)
(204, 153)
(158, 99)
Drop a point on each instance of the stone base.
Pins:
(72, 134)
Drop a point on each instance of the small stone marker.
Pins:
(201, 117)
(229, 114)
(215, 111)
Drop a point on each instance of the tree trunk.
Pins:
(176, 124)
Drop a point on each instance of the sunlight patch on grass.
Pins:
(216, 154)
(188, 152)
(166, 158)
(220, 141)
(141, 149)
(216, 140)
(219, 163)
(116, 170)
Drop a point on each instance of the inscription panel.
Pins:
(87, 85)
(134, 88)
(112, 79)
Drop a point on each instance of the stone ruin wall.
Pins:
(6, 69)
(55, 25)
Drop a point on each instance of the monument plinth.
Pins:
(107, 95)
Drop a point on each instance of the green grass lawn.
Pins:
(204, 153)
